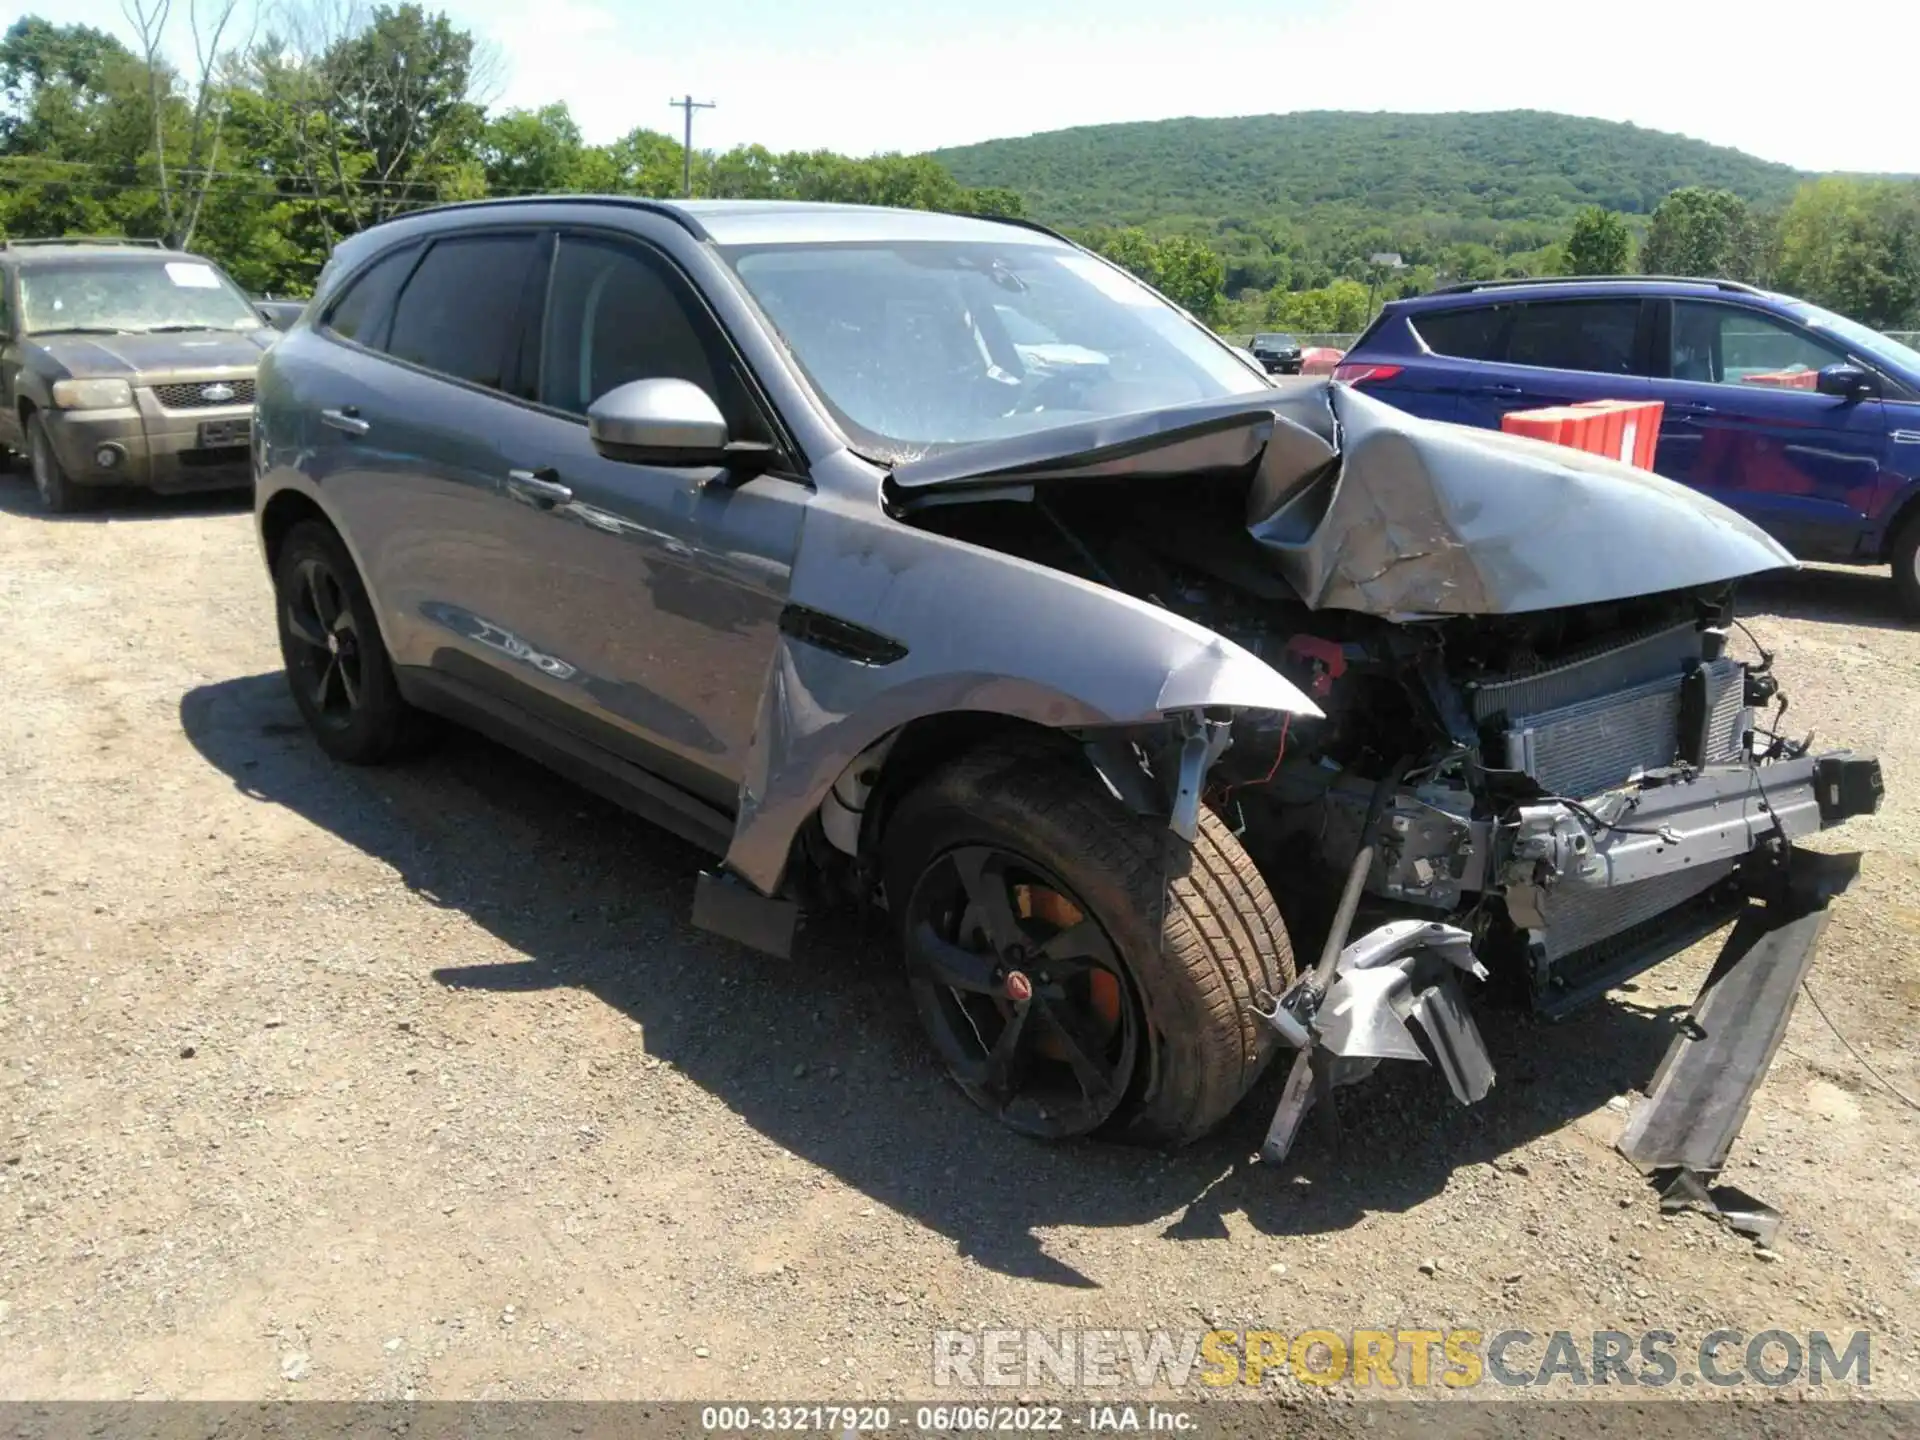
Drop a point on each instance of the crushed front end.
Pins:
(1548, 754)
(1566, 799)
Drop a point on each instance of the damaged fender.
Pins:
(1037, 644)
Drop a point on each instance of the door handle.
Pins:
(1688, 411)
(1501, 389)
(346, 420)
(538, 487)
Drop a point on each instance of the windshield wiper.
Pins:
(80, 330)
(177, 329)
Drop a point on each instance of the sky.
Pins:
(1794, 82)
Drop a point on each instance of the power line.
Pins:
(202, 170)
(266, 176)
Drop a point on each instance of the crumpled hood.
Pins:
(185, 352)
(1363, 507)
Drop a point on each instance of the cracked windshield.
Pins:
(114, 297)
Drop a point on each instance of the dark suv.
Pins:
(1800, 419)
(123, 363)
(933, 562)
(1280, 354)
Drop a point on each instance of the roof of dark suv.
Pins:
(1558, 285)
(25, 252)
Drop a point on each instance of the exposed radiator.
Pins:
(1578, 917)
(1583, 749)
(1584, 725)
(1660, 655)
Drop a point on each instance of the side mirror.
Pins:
(1849, 382)
(669, 422)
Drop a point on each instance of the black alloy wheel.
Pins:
(1021, 991)
(327, 653)
(336, 663)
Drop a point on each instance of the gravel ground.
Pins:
(416, 1082)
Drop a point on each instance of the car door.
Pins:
(1744, 424)
(405, 386)
(648, 596)
(1442, 380)
(1560, 352)
(11, 434)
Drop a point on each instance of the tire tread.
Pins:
(1222, 945)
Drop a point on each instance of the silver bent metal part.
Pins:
(1393, 988)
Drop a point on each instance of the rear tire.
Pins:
(1905, 554)
(336, 662)
(1190, 970)
(58, 494)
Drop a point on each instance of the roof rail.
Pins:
(1469, 286)
(1022, 221)
(28, 244)
(664, 208)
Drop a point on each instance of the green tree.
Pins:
(1712, 233)
(530, 151)
(1132, 249)
(402, 113)
(642, 162)
(1854, 246)
(1191, 275)
(1336, 309)
(1599, 243)
(73, 129)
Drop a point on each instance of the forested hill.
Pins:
(1435, 170)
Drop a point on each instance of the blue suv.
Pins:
(1803, 421)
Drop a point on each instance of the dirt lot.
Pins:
(417, 1082)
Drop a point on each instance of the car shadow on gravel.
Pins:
(18, 497)
(1828, 594)
(822, 1054)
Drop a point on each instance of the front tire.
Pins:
(58, 494)
(1077, 967)
(1905, 554)
(336, 663)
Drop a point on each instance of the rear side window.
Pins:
(1594, 335)
(1464, 334)
(361, 314)
(459, 312)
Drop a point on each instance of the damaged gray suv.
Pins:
(1175, 721)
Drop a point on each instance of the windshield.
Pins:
(918, 345)
(1868, 342)
(139, 294)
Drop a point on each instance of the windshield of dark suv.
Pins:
(1868, 342)
(916, 345)
(140, 294)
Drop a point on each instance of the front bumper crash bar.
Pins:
(1681, 1133)
(1394, 996)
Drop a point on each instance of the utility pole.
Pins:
(687, 105)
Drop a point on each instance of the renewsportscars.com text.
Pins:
(1392, 1359)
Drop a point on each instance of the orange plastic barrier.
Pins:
(1624, 430)
(1785, 379)
(1320, 359)
(1634, 433)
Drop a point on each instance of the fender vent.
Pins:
(840, 637)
